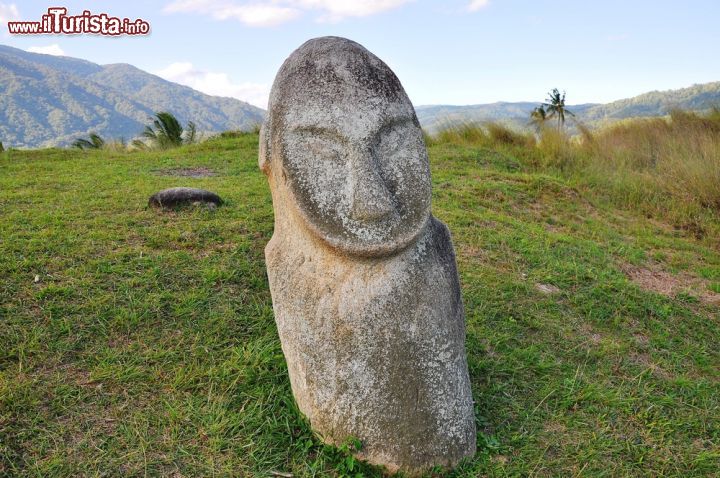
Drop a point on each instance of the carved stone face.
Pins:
(345, 139)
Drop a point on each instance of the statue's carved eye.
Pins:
(395, 152)
(393, 137)
(324, 148)
(319, 145)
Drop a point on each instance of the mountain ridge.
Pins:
(48, 100)
(698, 97)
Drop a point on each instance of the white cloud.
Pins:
(476, 5)
(274, 12)
(53, 49)
(8, 13)
(255, 14)
(218, 84)
(333, 10)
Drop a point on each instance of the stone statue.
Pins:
(363, 278)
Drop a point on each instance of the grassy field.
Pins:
(141, 343)
(664, 167)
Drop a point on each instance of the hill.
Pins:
(435, 117)
(140, 343)
(655, 103)
(49, 100)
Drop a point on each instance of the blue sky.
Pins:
(444, 52)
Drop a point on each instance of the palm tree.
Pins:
(95, 142)
(166, 131)
(190, 133)
(556, 107)
(538, 116)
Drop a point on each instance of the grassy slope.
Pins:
(148, 345)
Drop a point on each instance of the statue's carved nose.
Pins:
(371, 199)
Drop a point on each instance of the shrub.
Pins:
(166, 132)
(462, 133)
(501, 134)
(93, 142)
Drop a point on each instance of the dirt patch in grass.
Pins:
(472, 252)
(641, 339)
(655, 279)
(199, 172)
(644, 360)
(547, 289)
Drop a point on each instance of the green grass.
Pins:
(147, 346)
(664, 167)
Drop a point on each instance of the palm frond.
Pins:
(191, 133)
(166, 131)
(149, 133)
(139, 144)
(95, 142)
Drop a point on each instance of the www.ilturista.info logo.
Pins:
(57, 21)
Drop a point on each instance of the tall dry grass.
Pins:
(669, 167)
(666, 167)
(480, 134)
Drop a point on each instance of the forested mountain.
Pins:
(50, 100)
(656, 103)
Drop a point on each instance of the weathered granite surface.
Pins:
(181, 196)
(363, 278)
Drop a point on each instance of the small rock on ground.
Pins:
(174, 197)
